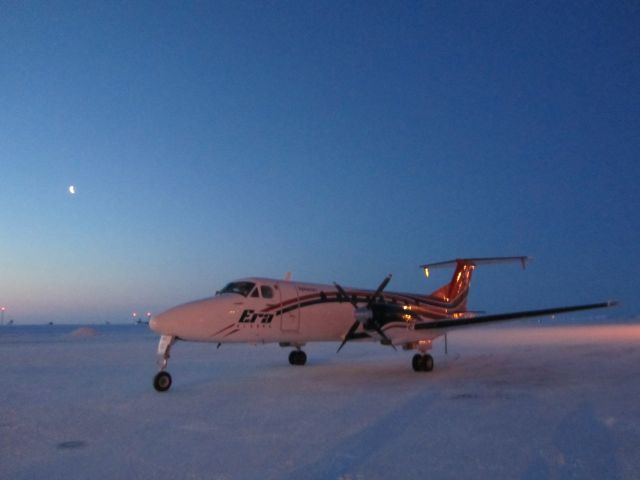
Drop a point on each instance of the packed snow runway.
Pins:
(528, 402)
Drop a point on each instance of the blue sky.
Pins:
(215, 140)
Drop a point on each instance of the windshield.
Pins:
(243, 288)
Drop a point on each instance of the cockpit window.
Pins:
(266, 291)
(243, 288)
(255, 293)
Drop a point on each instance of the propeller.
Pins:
(364, 314)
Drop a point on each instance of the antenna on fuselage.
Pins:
(288, 276)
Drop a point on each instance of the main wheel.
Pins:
(422, 363)
(292, 357)
(427, 362)
(162, 381)
(297, 357)
(302, 358)
(416, 362)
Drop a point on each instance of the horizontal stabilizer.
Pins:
(475, 261)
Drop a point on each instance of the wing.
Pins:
(450, 323)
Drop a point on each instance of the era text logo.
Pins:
(250, 316)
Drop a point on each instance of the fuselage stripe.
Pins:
(222, 330)
(424, 307)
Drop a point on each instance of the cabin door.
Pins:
(290, 318)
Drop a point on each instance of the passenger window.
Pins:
(267, 292)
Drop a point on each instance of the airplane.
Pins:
(264, 310)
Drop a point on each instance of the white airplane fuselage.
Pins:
(276, 311)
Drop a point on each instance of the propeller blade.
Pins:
(384, 336)
(344, 294)
(382, 286)
(347, 337)
(372, 300)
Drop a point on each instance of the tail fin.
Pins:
(455, 292)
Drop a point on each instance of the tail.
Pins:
(455, 293)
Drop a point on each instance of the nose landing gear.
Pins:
(162, 380)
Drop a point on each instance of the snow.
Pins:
(529, 402)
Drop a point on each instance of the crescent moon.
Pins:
(72, 190)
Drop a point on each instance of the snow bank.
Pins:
(84, 332)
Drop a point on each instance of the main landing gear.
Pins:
(297, 357)
(162, 380)
(422, 363)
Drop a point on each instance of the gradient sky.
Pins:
(337, 140)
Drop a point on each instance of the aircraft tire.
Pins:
(427, 362)
(297, 357)
(416, 362)
(162, 381)
(422, 363)
(302, 358)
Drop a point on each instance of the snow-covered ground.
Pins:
(524, 402)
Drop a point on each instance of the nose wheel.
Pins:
(162, 381)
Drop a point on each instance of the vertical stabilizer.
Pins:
(455, 293)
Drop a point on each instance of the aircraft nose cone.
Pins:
(154, 324)
(164, 323)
